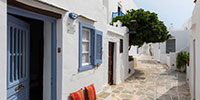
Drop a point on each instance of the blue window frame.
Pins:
(119, 10)
(90, 46)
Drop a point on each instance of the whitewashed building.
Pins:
(167, 51)
(177, 43)
(194, 79)
(51, 48)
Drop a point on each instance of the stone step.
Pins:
(104, 96)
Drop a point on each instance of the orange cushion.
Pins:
(90, 92)
(77, 95)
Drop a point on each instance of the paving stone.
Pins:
(116, 91)
(103, 95)
(125, 96)
(152, 81)
(120, 88)
(128, 92)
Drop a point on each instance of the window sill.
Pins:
(85, 67)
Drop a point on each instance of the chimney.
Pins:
(171, 28)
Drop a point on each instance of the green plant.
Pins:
(182, 59)
(149, 28)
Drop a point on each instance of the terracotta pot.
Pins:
(188, 62)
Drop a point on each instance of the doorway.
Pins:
(25, 68)
(34, 56)
(110, 63)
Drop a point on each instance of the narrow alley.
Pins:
(152, 81)
(99, 50)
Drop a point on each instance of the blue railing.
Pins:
(115, 14)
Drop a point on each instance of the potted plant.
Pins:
(182, 61)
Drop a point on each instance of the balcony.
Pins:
(115, 14)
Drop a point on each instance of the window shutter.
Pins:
(98, 43)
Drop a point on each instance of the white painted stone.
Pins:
(96, 13)
(3, 50)
(194, 35)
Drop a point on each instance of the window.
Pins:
(90, 47)
(86, 43)
(171, 45)
(121, 46)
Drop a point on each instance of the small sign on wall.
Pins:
(71, 28)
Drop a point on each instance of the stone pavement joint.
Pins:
(152, 81)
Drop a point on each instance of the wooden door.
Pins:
(18, 59)
(110, 63)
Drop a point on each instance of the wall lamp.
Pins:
(73, 15)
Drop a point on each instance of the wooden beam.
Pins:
(33, 9)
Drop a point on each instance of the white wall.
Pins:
(125, 59)
(182, 44)
(163, 58)
(133, 51)
(121, 66)
(120, 59)
(195, 29)
(172, 59)
(72, 79)
(156, 51)
(163, 48)
(47, 62)
(69, 79)
(89, 8)
(144, 49)
(3, 50)
(182, 39)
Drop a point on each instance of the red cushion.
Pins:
(77, 95)
(90, 92)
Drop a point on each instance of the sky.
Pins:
(169, 11)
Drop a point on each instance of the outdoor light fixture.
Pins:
(73, 15)
(133, 27)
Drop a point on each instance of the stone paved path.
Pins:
(152, 81)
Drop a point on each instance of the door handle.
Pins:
(19, 87)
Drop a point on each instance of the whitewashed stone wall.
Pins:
(195, 35)
(68, 78)
(3, 50)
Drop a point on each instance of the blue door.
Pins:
(18, 59)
